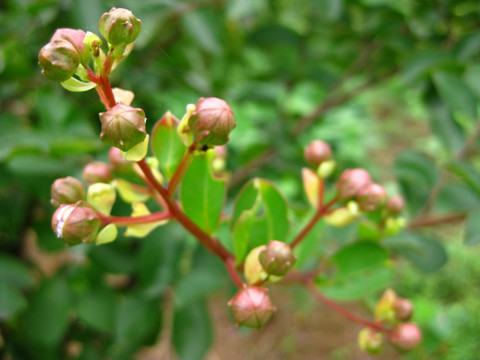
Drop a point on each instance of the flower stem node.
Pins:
(350, 182)
(119, 26)
(123, 126)
(67, 190)
(371, 196)
(97, 171)
(212, 121)
(370, 340)
(277, 258)
(405, 336)
(317, 152)
(76, 223)
(251, 306)
(60, 58)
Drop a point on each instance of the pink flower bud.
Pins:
(251, 306)
(405, 336)
(317, 152)
(97, 171)
(123, 126)
(351, 181)
(403, 309)
(67, 190)
(76, 223)
(277, 258)
(370, 197)
(119, 26)
(370, 340)
(74, 37)
(395, 204)
(212, 121)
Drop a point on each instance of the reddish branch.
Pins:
(437, 220)
(131, 220)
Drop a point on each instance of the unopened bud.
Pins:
(370, 197)
(405, 336)
(212, 121)
(384, 308)
(277, 258)
(370, 340)
(317, 152)
(67, 190)
(74, 37)
(119, 26)
(97, 171)
(123, 126)
(351, 181)
(403, 309)
(251, 306)
(395, 204)
(76, 223)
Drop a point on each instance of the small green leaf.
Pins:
(97, 308)
(195, 286)
(167, 147)
(472, 228)
(203, 195)
(14, 273)
(12, 301)
(192, 331)
(108, 234)
(76, 85)
(467, 173)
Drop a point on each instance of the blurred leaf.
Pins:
(472, 78)
(14, 273)
(47, 317)
(113, 258)
(472, 228)
(467, 173)
(445, 127)
(456, 198)
(422, 250)
(192, 331)
(310, 186)
(456, 94)
(97, 308)
(12, 301)
(424, 62)
(203, 195)
(166, 145)
(362, 268)
(201, 28)
(76, 85)
(196, 286)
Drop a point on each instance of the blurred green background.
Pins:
(393, 86)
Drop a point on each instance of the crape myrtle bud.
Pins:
(76, 223)
(97, 171)
(403, 309)
(74, 37)
(395, 204)
(370, 197)
(317, 152)
(67, 190)
(405, 336)
(351, 181)
(212, 121)
(123, 126)
(370, 340)
(277, 258)
(384, 307)
(119, 26)
(251, 306)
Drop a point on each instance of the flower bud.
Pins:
(67, 190)
(252, 268)
(277, 258)
(123, 126)
(351, 181)
(405, 336)
(76, 223)
(370, 197)
(317, 152)
(403, 309)
(370, 340)
(384, 307)
(74, 37)
(395, 204)
(212, 121)
(251, 306)
(58, 60)
(97, 171)
(119, 26)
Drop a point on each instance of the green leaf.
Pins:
(166, 145)
(201, 28)
(445, 127)
(362, 268)
(195, 286)
(472, 228)
(97, 308)
(456, 94)
(12, 301)
(467, 173)
(422, 250)
(472, 78)
(14, 273)
(422, 63)
(192, 331)
(260, 215)
(76, 85)
(203, 195)
(47, 318)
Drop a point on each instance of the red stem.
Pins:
(107, 89)
(342, 311)
(181, 169)
(230, 265)
(130, 220)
